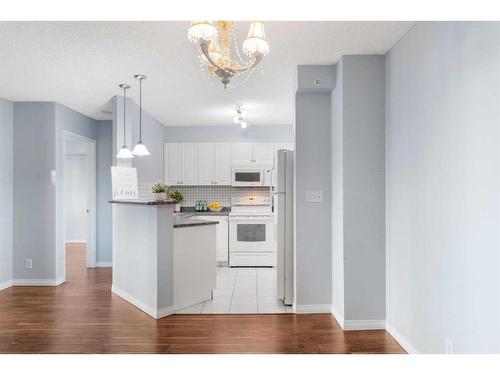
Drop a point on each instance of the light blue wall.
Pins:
(6, 192)
(337, 175)
(149, 168)
(34, 190)
(362, 210)
(313, 220)
(104, 211)
(38, 151)
(263, 133)
(443, 178)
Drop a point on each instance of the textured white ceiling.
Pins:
(80, 65)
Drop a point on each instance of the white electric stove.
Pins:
(251, 232)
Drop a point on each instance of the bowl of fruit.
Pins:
(215, 207)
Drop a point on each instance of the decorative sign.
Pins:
(124, 183)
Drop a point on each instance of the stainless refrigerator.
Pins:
(284, 199)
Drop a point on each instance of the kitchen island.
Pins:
(160, 263)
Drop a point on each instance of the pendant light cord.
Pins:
(124, 104)
(140, 111)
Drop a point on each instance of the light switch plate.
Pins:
(314, 196)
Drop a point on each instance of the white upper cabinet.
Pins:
(171, 163)
(247, 153)
(180, 163)
(206, 163)
(211, 163)
(242, 153)
(222, 164)
(263, 153)
(189, 164)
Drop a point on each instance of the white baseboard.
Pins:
(338, 317)
(313, 309)
(400, 339)
(5, 284)
(360, 325)
(75, 241)
(104, 264)
(151, 311)
(165, 312)
(38, 282)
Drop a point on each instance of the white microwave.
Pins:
(251, 176)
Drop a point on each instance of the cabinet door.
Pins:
(222, 253)
(171, 163)
(222, 163)
(263, 153)
(241, 153)
(206, 164)
(189, 164)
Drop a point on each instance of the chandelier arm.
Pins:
(204, 44)
(257, 58)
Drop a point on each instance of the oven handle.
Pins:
(251, 217)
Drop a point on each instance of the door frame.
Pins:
(90, 147)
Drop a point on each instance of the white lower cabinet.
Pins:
(222, 236)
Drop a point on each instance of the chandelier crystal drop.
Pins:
(215, 39)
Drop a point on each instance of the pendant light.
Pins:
(124, 151)
(140, 149)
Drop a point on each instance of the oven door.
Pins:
(247, 233)
(247, 177)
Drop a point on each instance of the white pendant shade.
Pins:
(124, 153)
(201, 30)
(140, 150)
(256, 40)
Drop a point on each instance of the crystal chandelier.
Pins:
(214, 39)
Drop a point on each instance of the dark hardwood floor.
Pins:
(83, 316)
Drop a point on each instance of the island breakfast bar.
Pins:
(152, 251)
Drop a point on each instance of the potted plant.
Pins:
(160, 191)
(178, 198)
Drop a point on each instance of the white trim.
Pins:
(91, 152)
(151, 311)
(38, 282)
(104, 264)
(405, 343)
(75, 241)
(313, 309)
(338, 317)
(5, 284)
(360, 325)
(165, 312)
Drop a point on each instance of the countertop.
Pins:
(188, 220)
(143, 202)
(191, 210)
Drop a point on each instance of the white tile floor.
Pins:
(242, 291)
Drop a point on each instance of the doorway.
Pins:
(79, 199)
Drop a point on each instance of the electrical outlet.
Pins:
(314, 196)
(29, 263)
(450, 346)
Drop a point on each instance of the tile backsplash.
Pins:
(221, 194)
